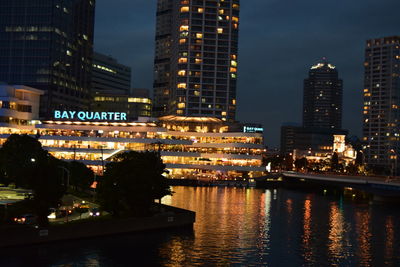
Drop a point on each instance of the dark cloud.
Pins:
(279, 41)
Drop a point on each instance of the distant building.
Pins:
(109, 76)
(322, 100)
(312, 139)
(381, 113)
(322, 112)
(137, 104)
(321, 159)
(19, 104)
(48, 44)
(196, 58)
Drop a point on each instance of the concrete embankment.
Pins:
(374, 185)
(25, 235)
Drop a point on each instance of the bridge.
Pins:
(382, 186)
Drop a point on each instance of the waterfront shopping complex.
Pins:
(191, 147)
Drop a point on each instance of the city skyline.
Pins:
(268, 49)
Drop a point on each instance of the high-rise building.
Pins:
(381, 116)
(48, 44)
(135, 104)
(322, 100)
(195, 67)
(109, 76)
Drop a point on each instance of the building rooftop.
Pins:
(190, 119)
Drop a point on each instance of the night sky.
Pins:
(279, 41)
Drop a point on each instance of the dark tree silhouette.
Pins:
(81, 177)
(132, 182)
(26, 164)
(335, 162)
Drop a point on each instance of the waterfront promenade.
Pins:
(374, 184)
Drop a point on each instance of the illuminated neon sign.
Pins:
(90, 115)
(252, 129)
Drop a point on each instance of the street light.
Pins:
(394, 164)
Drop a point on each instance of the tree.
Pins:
(18, 156)
(359, 158)
(81, 177)
(47, 187)
(335, 162)
(28, 165)
(132, 182)
(301, 164)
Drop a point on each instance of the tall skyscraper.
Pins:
(195, 67)
(322, 99)
(109, 76)
(48, 44)
(382, 102)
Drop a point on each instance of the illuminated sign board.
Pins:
(90, 115)
(252, 129)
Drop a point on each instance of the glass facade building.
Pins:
(48, 44)
(137, 104)
(195, 68)
(109, 76)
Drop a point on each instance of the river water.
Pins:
(244, 227)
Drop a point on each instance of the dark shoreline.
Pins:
(28, 235)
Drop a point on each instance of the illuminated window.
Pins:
(182, 72)
(197, 60)
(181, 105)
(184, 28)
(182, 60)
(221, 11)
(233, 63)
(200, 10)
(139, 100)
(182, 85)
(184, 9)
(197, 86)
(220, 30)
(199, 35)
(196, 93)
(235, 19)
(233, 69)
(182, 41)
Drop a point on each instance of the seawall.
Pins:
(17, 235)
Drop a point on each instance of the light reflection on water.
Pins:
(244, 227)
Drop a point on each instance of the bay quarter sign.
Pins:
(89, 115)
